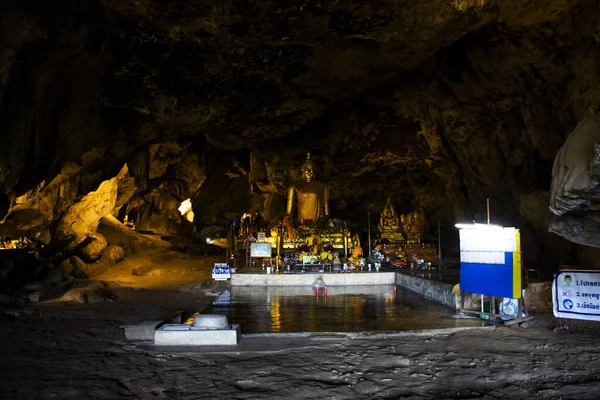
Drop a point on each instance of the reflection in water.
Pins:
(190, 320)
(337, 309)
(390, 301)
(275, 314)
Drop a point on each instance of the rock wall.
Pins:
(575, 196)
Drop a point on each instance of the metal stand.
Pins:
(492, 314)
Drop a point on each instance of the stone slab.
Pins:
(142, 331)
(145, 330)
(175, 327)
(210, 321)
(163, 337)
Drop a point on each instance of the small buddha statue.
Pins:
(358, 251)
(414, 227)
(312, 196)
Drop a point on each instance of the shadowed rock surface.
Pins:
(85, 354)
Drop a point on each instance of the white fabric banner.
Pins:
(482, 239)
(482, 257)
(576, 295)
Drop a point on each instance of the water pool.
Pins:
(335, 309)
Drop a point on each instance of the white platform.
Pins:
(183, 335)
(307, 279)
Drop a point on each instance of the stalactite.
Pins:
(140, 166)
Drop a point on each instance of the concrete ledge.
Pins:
(142, 331)
(438, 292)
(145, 330)
(178, 335)
(345, 279)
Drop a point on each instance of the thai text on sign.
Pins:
(260, 250)
(221, 272)
(576, 295)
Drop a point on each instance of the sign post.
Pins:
(576, 295)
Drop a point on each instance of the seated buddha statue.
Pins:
(312, 196)
(413, 225)
(358, 251)
(389, 220)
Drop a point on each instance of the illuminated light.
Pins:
(186, 210)
(208, 240)
(477, 226)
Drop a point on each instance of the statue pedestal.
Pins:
(402, 254)
(336, 240)
(393, 236)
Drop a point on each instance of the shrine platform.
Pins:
(309, 278)
(434, 285)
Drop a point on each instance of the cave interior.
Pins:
(120, 108)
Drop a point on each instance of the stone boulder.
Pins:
(95, 293)
(83, 217)
(91, 248)
(67, 266)
(54, 275)
(575, 195)
(75, 267)
(112, 255)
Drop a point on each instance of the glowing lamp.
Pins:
(477, 226)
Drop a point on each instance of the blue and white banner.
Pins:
(221, 272)
(490, 260)
(576, 295)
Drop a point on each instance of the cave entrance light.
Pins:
(186, 210)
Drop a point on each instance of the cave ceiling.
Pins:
(437, 103)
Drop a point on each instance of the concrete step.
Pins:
(144, 330)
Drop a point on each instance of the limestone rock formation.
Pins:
(575, 198)
(440, 104)
(174, 174)
(131, 241)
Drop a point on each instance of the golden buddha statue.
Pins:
(413, 224)
(358, 251)
(390, 224)
(389, 220)
(312, 196)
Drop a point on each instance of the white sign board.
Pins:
(490, 260)
(576, 295)
(221, 272)
(260, 250)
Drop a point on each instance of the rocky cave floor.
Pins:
(66, 350)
